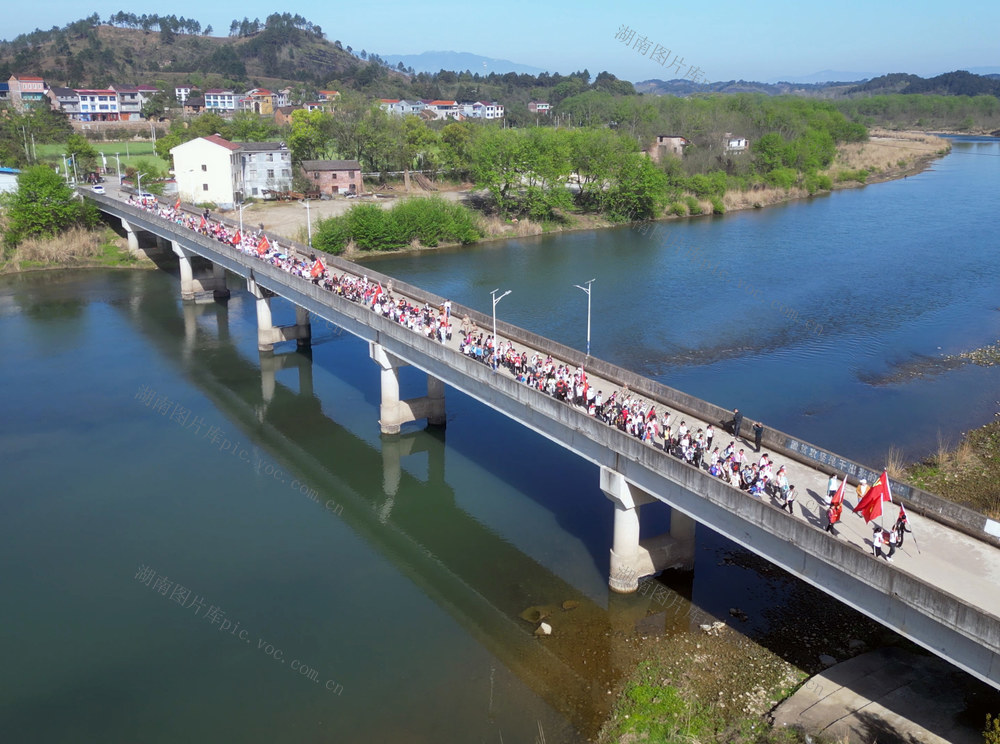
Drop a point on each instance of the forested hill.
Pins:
(143, 49)
(959, 83)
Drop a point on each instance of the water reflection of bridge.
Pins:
(946, 604)
(479, 578)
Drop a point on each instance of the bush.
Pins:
(678, 209)
(860, 175)
(431, 221)
(783, 178)
(717, 206)
(693, 206)
(815, 182)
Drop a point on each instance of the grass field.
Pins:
(128, 152)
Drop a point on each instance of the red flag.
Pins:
(317, 268)
(202, 225)
(871, 505)
(262, 245)
(838, 498)
(178, 204)
(237, 238)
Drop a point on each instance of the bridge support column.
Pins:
(394, 412)
(304, 328)
(187, 274)
(220, 291)
(632, 558)
(267, 334)
(133, 239)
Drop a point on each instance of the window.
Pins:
(316, 176)
(255, 191)
(270, 157)
(204, 187)
(350, 174)
(204, 168)
(270, 173)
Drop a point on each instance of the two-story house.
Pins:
(334, 176)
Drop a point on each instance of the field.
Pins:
(128, 153)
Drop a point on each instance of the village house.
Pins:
(220, 101)
(98, 105)
(736, 144)
(539, 107)
(213, 169)
(668, 144)
(334, 176)
(24, 91)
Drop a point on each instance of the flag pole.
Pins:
(915, 544)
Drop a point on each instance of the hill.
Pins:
(686, 88)
(959, 83)
(284, 48)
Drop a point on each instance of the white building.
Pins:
(220, 101)
(213, 169)
(8, 179)
(208, 169)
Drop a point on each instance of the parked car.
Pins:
(97, 189)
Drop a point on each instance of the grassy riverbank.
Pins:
(967, 474)
(75, 248)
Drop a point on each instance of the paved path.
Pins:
(888, 696)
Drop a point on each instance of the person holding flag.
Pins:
(870, 507)
(262, 245)
(836, 507)
(317, 270)
(237, 238)
(902, 526)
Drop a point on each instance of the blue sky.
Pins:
(764, 40)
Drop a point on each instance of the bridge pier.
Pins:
(394, 412)
(267, 334)
(187, 274)
(220, 291)
(632, 558)
(130, 235)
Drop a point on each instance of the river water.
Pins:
(189, 555)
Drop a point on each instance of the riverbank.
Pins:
(886, 156)
(721, 682)
(73, 249)
(968, 473)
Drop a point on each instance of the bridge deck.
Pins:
(945, 561)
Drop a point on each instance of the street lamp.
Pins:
(309, 227)
(587, 290)
(495, 301)
(138, 181)
(242, 204)
(119, 160)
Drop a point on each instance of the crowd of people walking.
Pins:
(694, 444)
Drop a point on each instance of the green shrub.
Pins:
(717, 206)
(431, 221)
(678, 209)
(783, 178)
(694, 207)
(860, 175)
(815, 182)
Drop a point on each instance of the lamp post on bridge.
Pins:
(495, 301)
(138, 183)
(587, 290)
(119, 161)
(309, 228)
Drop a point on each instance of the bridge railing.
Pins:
(952, 514)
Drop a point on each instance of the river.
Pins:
(186, 558)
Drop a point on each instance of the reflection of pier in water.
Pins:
(482, 580)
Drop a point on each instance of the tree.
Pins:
(82, 152)
(43, 205)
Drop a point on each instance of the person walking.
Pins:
(758, 434)
(890, 538)
(878, 540)
(901, 527)
(709, 436)
(737, 422)
(833, 516)
(831, 487)
(789, 500)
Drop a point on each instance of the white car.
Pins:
(97, 189)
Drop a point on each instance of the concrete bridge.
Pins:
(945, 597)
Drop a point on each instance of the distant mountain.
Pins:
(687, 88)
(458, 62)
(958, 83)
(830, 76)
